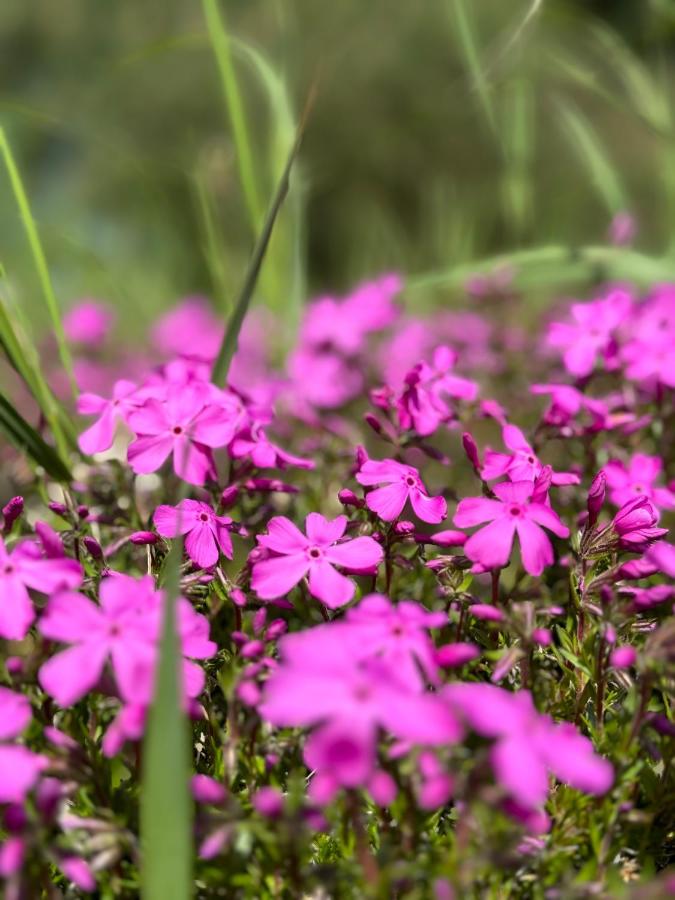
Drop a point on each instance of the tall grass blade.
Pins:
(220, 41)
(228, 346)
(469, 47)
(594, 158)
(166, 805)
(39, 258)
(26, 439)
(213, 243)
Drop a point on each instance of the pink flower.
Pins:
(590, 335)
(634, 525)
(662, 556)
(528, 745)
(402, 483)
(192, 324)
(648, 353)
(637, 478)
(315, 555)
(192, 419)
(253, 442)
(397, 634)
(520, 465)
(88, 323)
(207, 534)
(19, 767)
(124, 630)
(510, 514)
(99, 436)
(22, 569)
(422, 406)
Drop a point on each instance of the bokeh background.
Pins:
(444, 132)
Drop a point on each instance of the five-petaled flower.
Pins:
(511, 513)
(315, 554)
(401, 483)
(207, 533)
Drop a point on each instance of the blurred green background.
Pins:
(443, 132)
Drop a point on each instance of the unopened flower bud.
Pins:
(11, 512)
(471, 450)
(542, 484)
(229, 496)
(623, 657)
(60, 509)
(141, 538)
(269, 802)
(596, 497)
(349, 498)
(93, 548)
(404, 527)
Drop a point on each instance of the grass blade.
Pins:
(469, 47)
(26, 439)
(166, 805)
(228, 346)
(38, 258)
(594, 157)
(215, 23)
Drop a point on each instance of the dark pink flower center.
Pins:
(177, 430)
(639, 489)
(314, 553)
(362, 692)
(410, 480)
(203, 517)
(515, 510)
(9, 568)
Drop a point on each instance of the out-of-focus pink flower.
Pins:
(99, 436)
(207, 534)
(648, 352)
(622, 229)
(623, 657)
(422, 405)
(192, 419)
(314, 554)
(268, 801)
(88, 323)
(590, 335)
(521, 464)
(78, 871)
(510, 514)
(19, 767)
(637, 479)
(662, 556)
(402, 483)
(528, 745)
(124, 629)
(207, 790)
(22, 569)
(190, 329)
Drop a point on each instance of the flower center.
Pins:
(203, 517)
(361, 692)
(177, 430)
(9, 568)
(639, 489)
(515, 510)
(314, 553)
(410, 480)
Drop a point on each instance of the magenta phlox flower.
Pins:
(207, 534)
(320, 379)
(422, 405)
(254, 443)
(192, 326)
(590, 336)
(402, 483)
(24, 568)
(638, 477)
(649, 353)
(88, 323)
(19, 767)
(527, 745)
(314, 555)
(123, 630)
(99, 436)
(398, 634)
(635, 525)
(193, 419)
(512, 512)
(522, 464)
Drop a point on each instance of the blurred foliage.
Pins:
(116, 116)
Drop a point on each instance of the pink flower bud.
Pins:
(542, 636)
(229, 496)
(60, 509)
(238, 597)
(269, 802)
(487, 612)
(542, 484)
(623, 657)
(471, 450)
(207, 790)
(275, 629)
(11, 512)
(452, 656)
(93, 548)
(382, 788)
(141, 538)
(349, 498)
(596, 497)
(447, 538)
(404, 527)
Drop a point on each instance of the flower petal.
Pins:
(329, 586)
(491, 546)
(428, 509)
(388, 502)
(324, 531)
(69, 675)
(275, 577)
(359, 554)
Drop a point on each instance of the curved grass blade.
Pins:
(166, 805)
(39, 258)
(26, 439)
(228, 346)
(469, 47)
(594, 158)
(220, 40)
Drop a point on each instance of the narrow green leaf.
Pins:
(166, 805)
(39, 258)
(594, 158)
(228, 346)
(220, 41)
(469, 47)
(213, 244)
(26, 439)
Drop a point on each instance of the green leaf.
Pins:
(469, 47)
(228, 346)
(26, 439)
(166, 804)
(39, 258)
